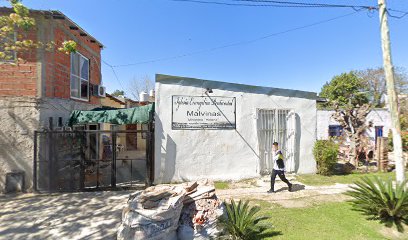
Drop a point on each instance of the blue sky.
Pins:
(141, 30)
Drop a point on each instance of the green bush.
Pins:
(380, 200)
(242, 221)
(325, 153)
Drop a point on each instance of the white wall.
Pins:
(379, 117)
(225, 154)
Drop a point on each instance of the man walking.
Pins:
(278, 168)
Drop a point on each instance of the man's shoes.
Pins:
(290, 187)
(270, 191)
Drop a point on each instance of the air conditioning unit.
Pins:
(98, 90)
(101, 91)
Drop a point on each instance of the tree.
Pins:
(344, 89)
(374, 80)
(118, 93)
(138, 85)
(345, 93)
(353, 121)
(13, 35)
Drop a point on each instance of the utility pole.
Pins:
(392, 96)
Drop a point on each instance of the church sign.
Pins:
(203, 112)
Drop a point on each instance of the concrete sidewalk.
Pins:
(86, 215)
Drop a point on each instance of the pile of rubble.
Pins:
(185, 211)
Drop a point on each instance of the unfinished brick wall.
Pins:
(37, 89)
(58, 63)
(21, 79)
(18, 80)
(47, 73)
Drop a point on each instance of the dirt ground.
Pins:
(301, 196)
(96, 215)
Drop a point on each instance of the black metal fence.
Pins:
(83, 160)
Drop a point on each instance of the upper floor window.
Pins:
(79, 76)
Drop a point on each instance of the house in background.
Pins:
(127, 142)
(328, 127)
(125, 102)
(41, 92)
(132, 103)
(113, 102)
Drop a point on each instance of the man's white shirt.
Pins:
(275, 158)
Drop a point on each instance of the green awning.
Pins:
(118, 116)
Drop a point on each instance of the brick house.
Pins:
(113, 101)
(42, 91)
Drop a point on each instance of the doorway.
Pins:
(276, 125)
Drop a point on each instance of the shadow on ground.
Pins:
(269, 234)
(295, 187)
(87, 215)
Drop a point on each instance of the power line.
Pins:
(114, 73)
(307, 4)
(369, 8)
(270, 3)
(235, 4)
(234, 44)
(290, 4)
(397, 11)
(228, 4)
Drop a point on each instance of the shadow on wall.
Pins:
(297, 142)
(23, 125)
(169, 160)
(167, 154)
(239, 134)
(16, 146)
(245, 141)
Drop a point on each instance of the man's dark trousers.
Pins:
(281, 175)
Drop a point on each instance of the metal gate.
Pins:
(82, 160)
(276, 125)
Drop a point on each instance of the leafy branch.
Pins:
(13, 35)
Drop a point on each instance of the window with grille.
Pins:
(276, 125)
